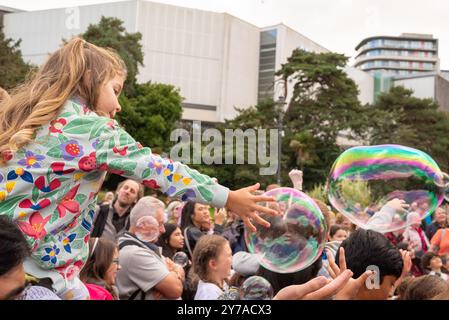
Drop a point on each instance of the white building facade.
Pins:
(214, 58)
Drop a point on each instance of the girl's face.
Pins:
(201, 214)
(340, 235)
(177, 211)
(436, 263)
(223, 262)
(176, 239)
(108, 96)
(111, 273)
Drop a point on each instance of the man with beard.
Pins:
(111, 221)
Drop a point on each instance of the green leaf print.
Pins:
(62, 139)
(35, 194)
(47, 141)
(207, 195)
(94, 175)
(78, 126)
(146, 173)
(125, 139)
(100, 144)
(55, 152)
(122, 164)
(77, 244)
(76, 107)
(96, 129)
(54, 217)
(102, 158)
(196, 176)
(80, 198)
(11, 202)
(66, 114)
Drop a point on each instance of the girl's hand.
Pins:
(243, 203)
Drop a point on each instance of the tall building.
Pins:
(407, 54)
(410, 60)
(218, 61)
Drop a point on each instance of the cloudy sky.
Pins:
(338, 25)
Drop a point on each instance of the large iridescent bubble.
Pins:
(296, 237)
(364, 180)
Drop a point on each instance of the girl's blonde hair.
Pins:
(77, 68)
(208, 247)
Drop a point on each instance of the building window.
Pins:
(267, 64)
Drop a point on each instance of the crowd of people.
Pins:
(136, 238)
(58, 140)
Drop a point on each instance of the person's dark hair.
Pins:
(13, 246)
(164, 240)
(334, 228)
(186, 216)
(101, 257)
(366, 248)
(425, 288)
(281, 280)
(425, 260)
(402, 245)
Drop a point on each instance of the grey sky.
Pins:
(338, 25)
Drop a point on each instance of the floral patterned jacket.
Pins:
(49, 187)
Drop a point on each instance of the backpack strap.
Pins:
(141, 245)
(186, 241)
(100, 222)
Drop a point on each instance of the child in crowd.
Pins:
(432, 263)
(426, 287)
(100, 270)
(58, 140)
(212, 260)
(337, 233)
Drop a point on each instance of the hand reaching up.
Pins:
(353, 286)
(319, 288)
(245, 204)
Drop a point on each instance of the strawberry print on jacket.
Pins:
(50, 186)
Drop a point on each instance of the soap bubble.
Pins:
(181, 258)
(296, 236)
(364, 180)
(256, 288)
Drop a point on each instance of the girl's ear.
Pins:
(212, 264)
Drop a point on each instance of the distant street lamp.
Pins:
(280, 110)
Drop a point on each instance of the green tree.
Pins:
(399, 118)
(13, 69)
(324, 103)
(152, 114)
(111, 33)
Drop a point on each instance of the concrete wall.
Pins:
(183, 47)
(42, 31)
(365, 83)
(240, 67)
(423, 87)
(442, 92)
